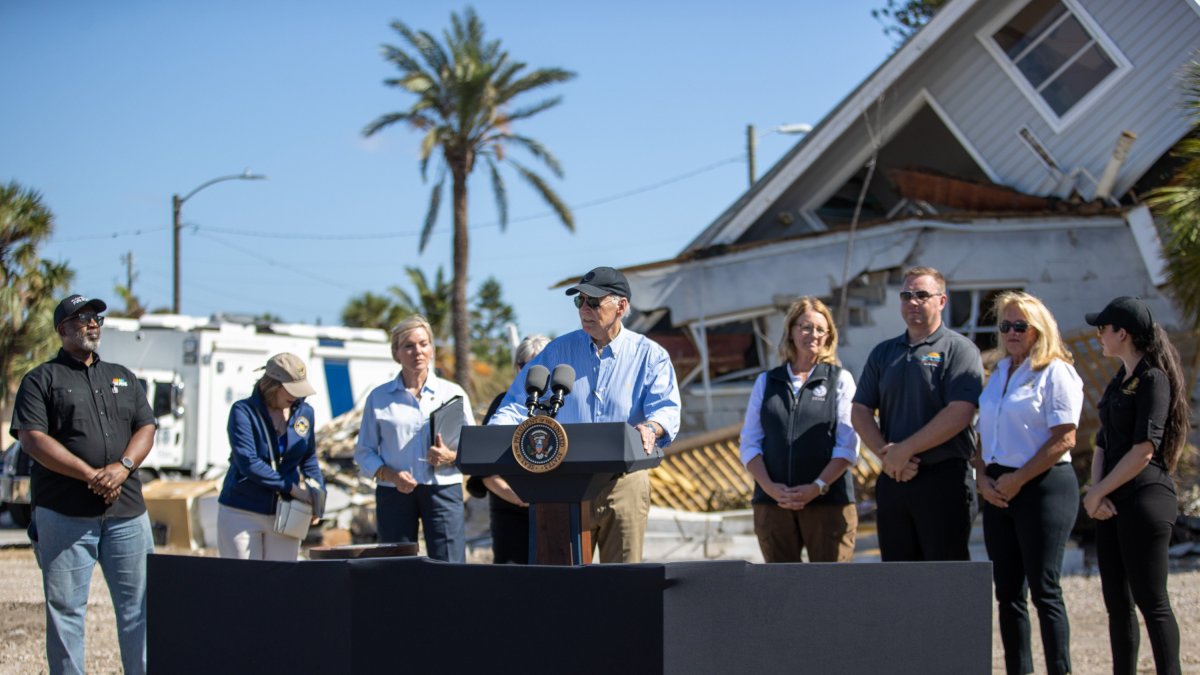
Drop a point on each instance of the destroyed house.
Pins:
(1006, 144)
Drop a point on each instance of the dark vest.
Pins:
(799, 432)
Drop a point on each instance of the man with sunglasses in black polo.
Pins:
(88, 426)
(926, 385)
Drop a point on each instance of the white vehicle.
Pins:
(193, 369)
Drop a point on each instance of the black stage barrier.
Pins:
(209, 615)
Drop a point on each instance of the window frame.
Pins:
(1099, 37)
(971, 328)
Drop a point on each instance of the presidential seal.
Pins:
(539, 444)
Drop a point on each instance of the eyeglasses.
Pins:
(1019, 326)
(594, 303)
(920, 296)
(85, 319)
(809, 329)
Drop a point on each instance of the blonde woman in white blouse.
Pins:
(1028, 414)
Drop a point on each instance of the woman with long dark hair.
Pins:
(1143, 430)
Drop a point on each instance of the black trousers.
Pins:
(1131, 548)
(1025, 543)
(928, 517)
(510, 532)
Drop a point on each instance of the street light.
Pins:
(177, 204)
(752, 139)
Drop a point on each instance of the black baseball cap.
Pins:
(74, 304)
(1124, 312)
(600, 282)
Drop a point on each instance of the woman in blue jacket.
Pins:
(273, 448)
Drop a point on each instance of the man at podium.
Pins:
(620, 376)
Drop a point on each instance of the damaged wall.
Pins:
(1074, 265)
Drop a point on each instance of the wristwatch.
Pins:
(821, 485)
(128, 464)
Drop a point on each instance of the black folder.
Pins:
(448, 420)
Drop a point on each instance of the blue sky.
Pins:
(110, 108)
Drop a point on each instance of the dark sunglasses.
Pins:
(594, 303)
(921, 296)
(1019, 326)
(85, 319)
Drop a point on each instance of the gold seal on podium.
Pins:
(539, 444)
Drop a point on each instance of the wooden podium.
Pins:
(559, 522)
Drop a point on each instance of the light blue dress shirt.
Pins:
(395, 430)
(631, 380)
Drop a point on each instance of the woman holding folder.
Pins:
(413, 467)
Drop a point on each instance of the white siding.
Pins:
(1158, 37)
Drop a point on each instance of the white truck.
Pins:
(193, 369)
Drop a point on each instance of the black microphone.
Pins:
(535, 384)
(560, 384)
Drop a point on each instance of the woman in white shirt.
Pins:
(1028, 414)
(798, 444)
(415, 476)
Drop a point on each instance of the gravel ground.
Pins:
(22, 622)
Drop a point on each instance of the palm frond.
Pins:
(500, 191)
(547, 193)
(401, 59)
(539, 151)
(538, 78)
(435, 201)
(385, 121)
(529, 111)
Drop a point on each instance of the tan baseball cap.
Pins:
(290, 371)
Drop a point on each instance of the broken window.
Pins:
(923, 146)
(969, 311)
(1055, 53)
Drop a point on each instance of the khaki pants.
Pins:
(826, 530)
(619, 516)
(251, 536)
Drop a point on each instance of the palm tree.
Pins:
(1179, 205)
(371, 311)
(29, 288)
(432, 301)
(465, 89)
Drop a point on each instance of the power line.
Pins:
(399, 235)
(111, 235)
(257, 255)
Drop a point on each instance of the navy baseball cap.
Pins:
(600, 282)
(74, 304)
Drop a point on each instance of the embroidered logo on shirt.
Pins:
(1130, 387)
(119, 382)
(933, 359)
(301, 427)
(819, 392)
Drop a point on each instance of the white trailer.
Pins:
(194, 369)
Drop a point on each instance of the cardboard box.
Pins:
(174, 505)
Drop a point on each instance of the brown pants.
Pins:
(826, 530)
(619, 516)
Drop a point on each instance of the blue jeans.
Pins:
(67, 551)
(438, 507)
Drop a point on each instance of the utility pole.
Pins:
(129, 275)
(176, 204)
(750, 142)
